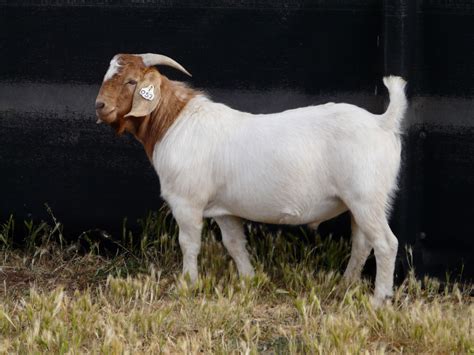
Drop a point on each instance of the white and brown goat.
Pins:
(300, 166)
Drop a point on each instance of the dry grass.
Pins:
(55, 299)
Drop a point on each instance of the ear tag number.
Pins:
(148, 93)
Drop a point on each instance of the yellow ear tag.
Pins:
(148, 92)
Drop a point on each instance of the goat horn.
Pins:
(158, 59)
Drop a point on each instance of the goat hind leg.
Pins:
(360, 251)
(375, 227)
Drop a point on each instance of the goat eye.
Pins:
(132, 82)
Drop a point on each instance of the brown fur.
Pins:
(149, 129)
(115, 93)
(152, 128)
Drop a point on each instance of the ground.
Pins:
(63, 297)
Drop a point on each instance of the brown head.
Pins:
(136, 98)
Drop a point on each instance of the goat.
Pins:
(301, 166)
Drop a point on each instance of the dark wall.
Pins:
(259, 56)
(443, 72)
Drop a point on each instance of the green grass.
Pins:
(56, 299)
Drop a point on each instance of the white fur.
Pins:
(301, 166)
(113, 68)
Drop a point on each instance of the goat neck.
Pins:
(152, 128)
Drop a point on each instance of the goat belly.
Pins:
(278, 212)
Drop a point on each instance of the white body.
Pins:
(293, 167)
(300, 166)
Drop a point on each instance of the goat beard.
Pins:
(118, 126)
(131, 125)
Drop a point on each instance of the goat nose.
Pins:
(99, 105)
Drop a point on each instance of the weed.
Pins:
(55, 298)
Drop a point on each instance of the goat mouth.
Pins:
(104, 116)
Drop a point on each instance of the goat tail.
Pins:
(392, 118)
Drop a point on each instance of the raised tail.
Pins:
(392, 118)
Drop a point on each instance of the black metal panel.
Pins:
(259, 56)
(226, 47)
(445, 106)
(445, 48)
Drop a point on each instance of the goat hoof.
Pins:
(190, 280)
(349, 278)
(249, 274)
(378, 302)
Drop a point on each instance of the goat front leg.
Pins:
(234, 240)
(189, 221)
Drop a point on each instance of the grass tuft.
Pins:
(57, 298)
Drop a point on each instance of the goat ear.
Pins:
(146, 95)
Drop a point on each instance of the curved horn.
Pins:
(158, 59)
